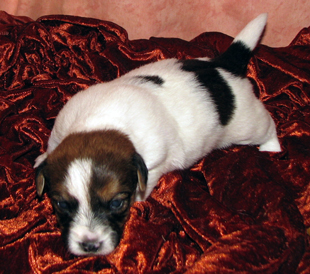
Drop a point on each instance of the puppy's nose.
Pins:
(90, 246)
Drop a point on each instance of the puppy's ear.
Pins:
(40, 178)
(141, 171)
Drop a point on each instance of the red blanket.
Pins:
(237, 209)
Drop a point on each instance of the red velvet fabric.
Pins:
(237, 209)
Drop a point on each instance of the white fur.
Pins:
(248, 34)
(77, 181)
(84, 226)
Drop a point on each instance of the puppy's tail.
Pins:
(238, 55)
(252, 32)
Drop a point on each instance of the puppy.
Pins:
(112, 142)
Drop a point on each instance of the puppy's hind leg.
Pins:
(272, 144)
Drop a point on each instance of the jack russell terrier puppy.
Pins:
(113, 141)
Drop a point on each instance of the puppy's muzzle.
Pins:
(90, 246)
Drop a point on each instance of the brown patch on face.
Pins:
(93, 145)
(108, 149)
(113, 169)
(114, 189)
(108, 191)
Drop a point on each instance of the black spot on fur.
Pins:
(151, 78)
(208, 77)
(235, 59)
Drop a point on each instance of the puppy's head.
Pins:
(92, 179)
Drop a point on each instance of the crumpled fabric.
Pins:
(236, 210)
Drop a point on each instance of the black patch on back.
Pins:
(151, 78)
(235, 59)
(210, 78)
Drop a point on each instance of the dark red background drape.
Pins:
(237, 209)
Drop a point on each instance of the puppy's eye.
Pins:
(116, 204)
(63, 205)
